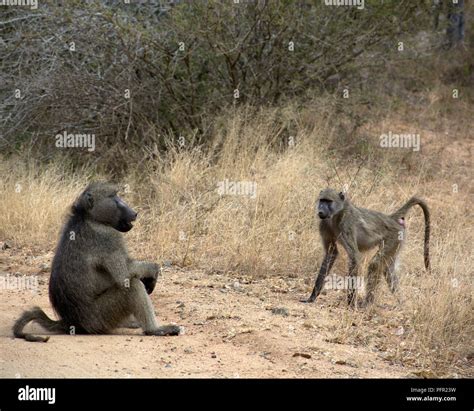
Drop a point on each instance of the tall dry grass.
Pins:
(184, 221)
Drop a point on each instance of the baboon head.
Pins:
(330, 203)
(100, 203)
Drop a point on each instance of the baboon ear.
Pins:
(342, 196)
(84, 203)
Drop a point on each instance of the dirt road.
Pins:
(234, 327)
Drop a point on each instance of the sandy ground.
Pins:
(234, 327)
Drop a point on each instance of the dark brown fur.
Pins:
(94, 285)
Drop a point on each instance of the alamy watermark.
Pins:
(350, 3)
(28, 393)
(237, 188)
(32, 4)
(339, 282)
(392, 140)
(24, 282)
(66, 140)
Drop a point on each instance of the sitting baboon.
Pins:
(358, 229)
(94, 285)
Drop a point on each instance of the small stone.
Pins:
(45, 267)
(5, 245)
(340, 362)
(400, 331)
(302, 354)
(237, 286)
(424, 374)
(280, 311)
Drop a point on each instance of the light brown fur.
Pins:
(358, 230)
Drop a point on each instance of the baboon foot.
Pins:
(353, 306)
(166, 330)
(352, 300)
(311, 299)
(355, 303)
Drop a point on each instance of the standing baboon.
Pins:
(358, 229)
(94, 285)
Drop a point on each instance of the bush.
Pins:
(133, 74)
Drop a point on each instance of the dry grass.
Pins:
(184, 221)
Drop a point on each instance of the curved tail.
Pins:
(401, 213)
(38, 315)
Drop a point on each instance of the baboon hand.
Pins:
(155, 269)
(142, 269)
(165, 330)
(149, 283)
(147, 272)
(149, 280)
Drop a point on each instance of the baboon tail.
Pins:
(38, 315)
(401, 213)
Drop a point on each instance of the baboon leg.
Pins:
(391, 276)
(353, 273)
(350, 245)
(142, 308)
(382, 262)
(117, 304)
(130, 322)
(373, 277)
(390, 271)
(328, 262)
(109, 311)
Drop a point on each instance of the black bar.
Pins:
(319, 394)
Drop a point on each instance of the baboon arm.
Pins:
(143, 269)
(328, 262)
(116, 265)
(329, 259)
(350, 245)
